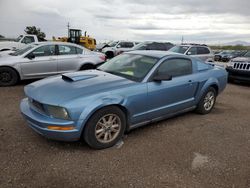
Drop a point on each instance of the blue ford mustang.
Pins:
(128, 91)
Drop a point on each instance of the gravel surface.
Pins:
(186, 151)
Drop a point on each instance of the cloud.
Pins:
(46, 11)
(212, 21)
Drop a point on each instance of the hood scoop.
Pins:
(76, 77)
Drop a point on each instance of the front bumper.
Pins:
(39, 123)
(240, 75)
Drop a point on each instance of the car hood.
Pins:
(61, 89)
(242, 59)
(8, 44)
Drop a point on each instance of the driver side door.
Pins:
(43, 63)
(173, 95)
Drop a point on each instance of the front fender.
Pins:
(91, 108)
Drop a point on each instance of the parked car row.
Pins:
(195, 50)
(227, 55)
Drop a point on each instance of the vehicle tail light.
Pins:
(103, 57)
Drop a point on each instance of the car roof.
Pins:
(155, 53)
(56, 42)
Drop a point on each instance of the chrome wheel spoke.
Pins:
(209, 101)
(107, 128)
(106, 136)
(99, 131)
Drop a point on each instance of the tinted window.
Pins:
(192, 51)
(47, 50)
(79, 50)
(179, 49)
(168, 46)
(160, 46)
(67, 50)
(28, 39)
(202, 50)
(176, 67)
(126, 44)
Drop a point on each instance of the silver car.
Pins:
(39, 60)
(195, 50)
(117, 47)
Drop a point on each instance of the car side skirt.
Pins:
(134, 126)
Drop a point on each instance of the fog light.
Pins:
(60, 128)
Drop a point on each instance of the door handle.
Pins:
(190, 81)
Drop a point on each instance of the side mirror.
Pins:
(189, 53)
(162, 77)
(30, 56)
(119, 46)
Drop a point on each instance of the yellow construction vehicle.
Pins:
(75, 36)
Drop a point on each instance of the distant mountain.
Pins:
(239, 42)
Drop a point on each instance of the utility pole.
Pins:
(68, 28)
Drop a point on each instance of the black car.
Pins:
(161, 46)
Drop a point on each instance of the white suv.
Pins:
(117, 47)
(195, 50)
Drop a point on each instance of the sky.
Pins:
(211, 22)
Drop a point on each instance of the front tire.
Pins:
(8, 76)
(207, 101)
(105, 128)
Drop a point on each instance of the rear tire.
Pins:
(109, 54)
(207, 101)
(8, 76)
(105, 128)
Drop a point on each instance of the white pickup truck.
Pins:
(21, 41)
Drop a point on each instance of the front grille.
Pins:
(37, 106)
(242, 65)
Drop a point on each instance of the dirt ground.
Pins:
(186, 151)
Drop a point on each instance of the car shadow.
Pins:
(26, 82)
(240, 83)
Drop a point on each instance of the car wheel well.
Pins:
(13, 70)
(5, 49)
(216, 88)
(122, 108)
(87, 66)
(110, 54)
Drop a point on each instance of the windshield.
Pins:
(18, 38)
(131, 66)
(23, 50)
(112, 44)
(141, 46)
(179, 49)
(247, 54)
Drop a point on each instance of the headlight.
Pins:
(230, 64)
(58, 112)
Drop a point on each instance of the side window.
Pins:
(47, 50)
(151, 46)
(79, 50)
(192, 51)
(202, 50)
(28, 39)
(176, 67)
(126, 44)
(160, 46)
(67, 50)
